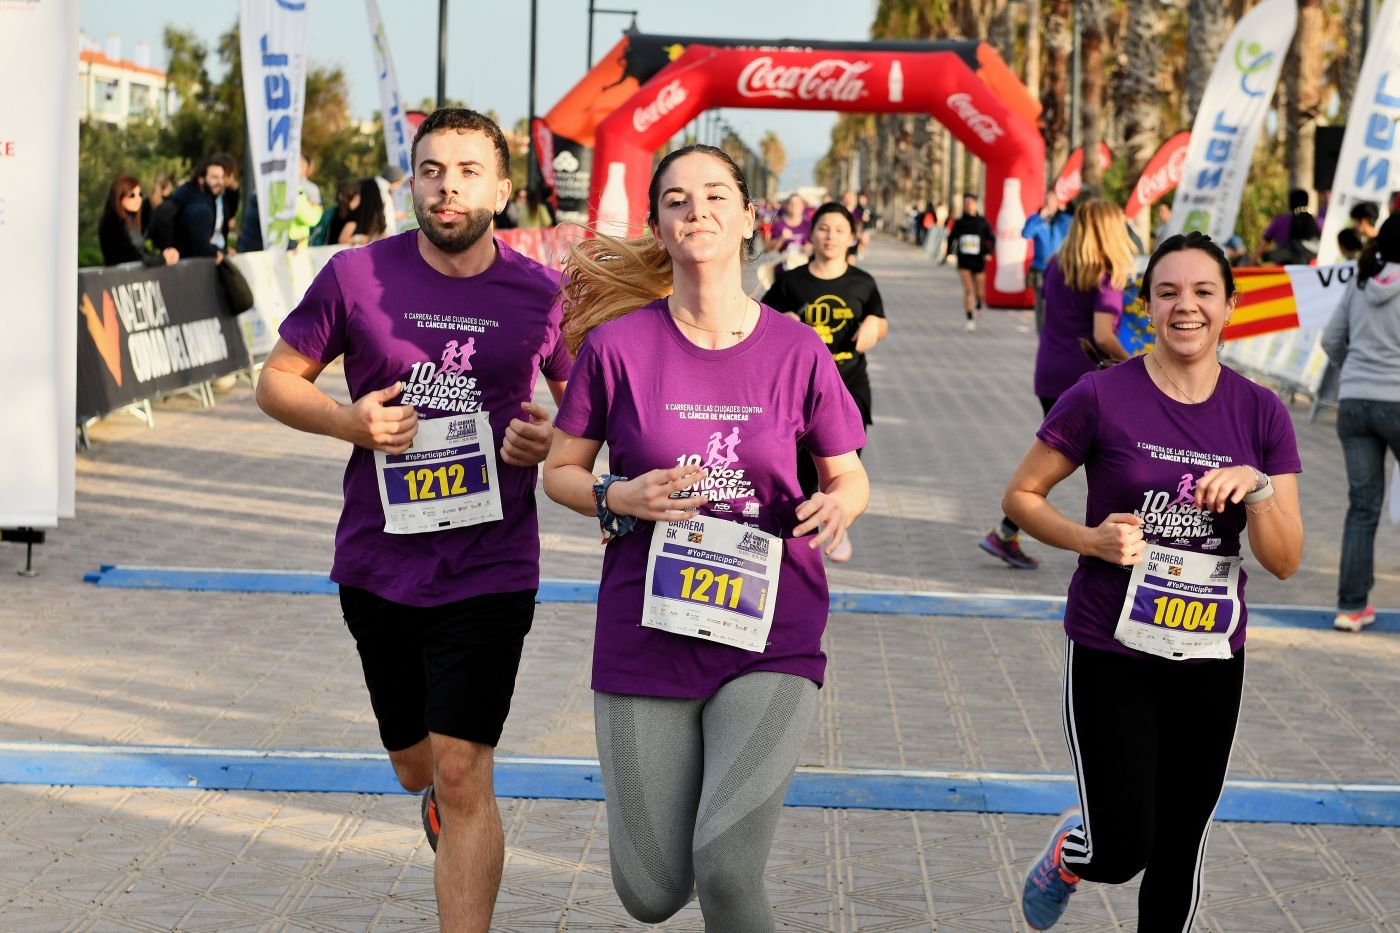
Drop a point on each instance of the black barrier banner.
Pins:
(146, 331)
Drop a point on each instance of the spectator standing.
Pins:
(1235, 252)
(190, 218)
(1280, 227)
(121, 231)
(1046, 229)
(367, 223)
(1300, 248)
(1364, 215)
(347, 204)
(1362, 339)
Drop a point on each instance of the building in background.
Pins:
(116, 90)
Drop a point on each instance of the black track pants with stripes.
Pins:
(1150, 740)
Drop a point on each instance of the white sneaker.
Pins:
(971, 325)
(1354, 621)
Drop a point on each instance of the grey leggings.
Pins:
(694, 791)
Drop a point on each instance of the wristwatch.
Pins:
(1263, 488)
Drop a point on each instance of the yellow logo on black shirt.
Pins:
(828, 316)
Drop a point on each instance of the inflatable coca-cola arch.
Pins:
(963, 84)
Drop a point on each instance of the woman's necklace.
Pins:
(710, 330)
(1163, 370)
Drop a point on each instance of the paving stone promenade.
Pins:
(954, 411)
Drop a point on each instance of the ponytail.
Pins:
(606, 278)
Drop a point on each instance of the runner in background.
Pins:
(842, 304)
(442, 330)
(701, 395)
(1083, 294)
(972, 241)
(790, 236)
(1182, 457)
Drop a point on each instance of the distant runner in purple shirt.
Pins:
(703, 396)
(437, 328)
(1276, 233)
(1182, 457)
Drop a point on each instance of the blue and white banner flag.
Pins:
(274, 93)
(1228, 122)
(1368, 166)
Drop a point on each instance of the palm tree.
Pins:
(1137, 88)
(1054, 98)
(1208, 27)
(770, 147)
(1091, 20)
(1302, 80)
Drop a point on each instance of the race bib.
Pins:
(1181, 605)
(970, 244)
(447, 479)
(712, 579)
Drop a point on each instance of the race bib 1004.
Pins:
(447, 479)
(712, 579)
(1181, 605)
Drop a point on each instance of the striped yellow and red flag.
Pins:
(1266, 303)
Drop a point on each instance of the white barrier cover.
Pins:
(1368, 166)
(1228, 122)
(278, 280)
(273, 38)
(38, 259)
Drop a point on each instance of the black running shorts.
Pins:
(447, 669)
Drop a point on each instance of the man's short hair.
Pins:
(1368, 211)
(460, 120)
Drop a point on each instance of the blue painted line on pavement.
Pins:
(294, 770)
(857, 602)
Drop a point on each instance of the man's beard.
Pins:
(457, 239)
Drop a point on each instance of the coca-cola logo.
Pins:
(986, 128)
(667, 99)
(828, 79)
(1152, 186)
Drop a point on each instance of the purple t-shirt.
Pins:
(1143, 452)
(800, 232)
(481, 342)
(657, 399)
(1279, 228)
(1069, 315)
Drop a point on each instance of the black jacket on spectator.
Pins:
(121, 243)
(185, 220)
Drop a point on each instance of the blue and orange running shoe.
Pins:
(1045, 894)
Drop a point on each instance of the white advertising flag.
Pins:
(1368, 166)
(274, 92)
(1230, 117)
(398, 140)
(39, 259)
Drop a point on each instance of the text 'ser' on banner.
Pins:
(1227, 125)
(1368, 166)
(273, 38)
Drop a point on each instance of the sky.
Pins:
(489, 47)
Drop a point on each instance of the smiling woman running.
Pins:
(1182, 457)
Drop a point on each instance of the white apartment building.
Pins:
(115, 90)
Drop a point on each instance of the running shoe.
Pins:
(1009, 550)
(1354, 621)
(1045, 893)
(970, 326)
(432, 826)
